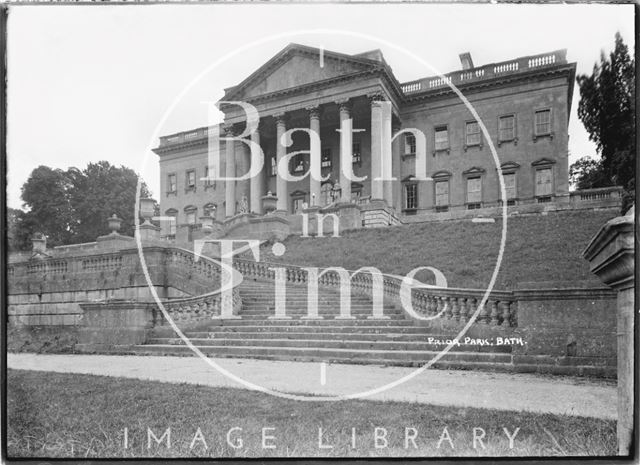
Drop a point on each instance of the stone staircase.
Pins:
(396, 340)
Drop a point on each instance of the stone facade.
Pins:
(523, 103)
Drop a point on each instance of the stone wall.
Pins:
(49, 291)
(565, 327)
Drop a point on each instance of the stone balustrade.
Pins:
(599, 194)
(457, 305)
(485, 72)
(50, 290)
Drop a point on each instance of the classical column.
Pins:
(230, 172)
(245, 164)
(396, 167)
(281, 150)
(387, 158)
(314, 155)
(377, 187)
(257, 182)
(346, 148)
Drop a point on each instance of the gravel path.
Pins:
(512, 392)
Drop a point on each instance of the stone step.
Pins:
(302, 297)
(369, 330)
(253, 305)
(328, 354)
(327, 314)
(324, 322)
(304, 301)
(329, 344)
(290, 333)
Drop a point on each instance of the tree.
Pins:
(46, 195)
(607, 110)
(587, 173)
(18, 237)
(99, 191)
(72, 206)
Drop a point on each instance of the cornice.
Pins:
(507, 79)
(317, 85)
(180, 146)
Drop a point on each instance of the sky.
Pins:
(94, 82)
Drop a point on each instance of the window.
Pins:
(411, 196)
(173, 222)
(298, 164)
(542, 122)
(191, 180)
(442, 193)
(274, 166)
(172, 183)
(409, 144)
(442, 138)
(298, 204)
(472, 133)
(355, 150)
(544, 182)
(326, 194)
(506, 128)
(474, 192)
(325, 160)
(207, 181)
(510, 185)
(190, 213)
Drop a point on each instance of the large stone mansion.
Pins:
(524, 104)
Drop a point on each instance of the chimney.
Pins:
(465, 59)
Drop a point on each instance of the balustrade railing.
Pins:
(485, 72)
(600, 193)
(450, 303)
(205, 305)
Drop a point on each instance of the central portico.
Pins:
(341, 98)
(347, 127)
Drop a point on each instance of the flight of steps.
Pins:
(393, 341)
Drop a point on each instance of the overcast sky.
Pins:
(90, 83)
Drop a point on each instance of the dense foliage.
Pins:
(607, 110)
(72, 206)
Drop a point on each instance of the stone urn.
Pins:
(114, 224)
(147, 209)
(269, 203)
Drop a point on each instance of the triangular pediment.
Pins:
(297, 66)
(473, 170)
(543, 162)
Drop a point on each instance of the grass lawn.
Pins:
(538, 249)
(69, 415)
